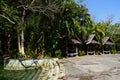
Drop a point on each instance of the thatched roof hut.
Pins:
(73, 46)
(91, 44)
(108, 41)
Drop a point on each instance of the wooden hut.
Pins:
(92, 43)
(107, 43)
(73, 46)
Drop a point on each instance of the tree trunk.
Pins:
(18, 33)
(22, 33)
(8, 42)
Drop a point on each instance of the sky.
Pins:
(102, 10)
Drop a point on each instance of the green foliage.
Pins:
(15, 54)
(30, 53)
(58, 53)
(81, 53)
(97, 52)
(113, 50)
(48, 55)
(46, 28)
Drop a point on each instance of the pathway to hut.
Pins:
(94, 67)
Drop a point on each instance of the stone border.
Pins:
(52, 69)
(16, 64)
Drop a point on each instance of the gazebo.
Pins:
(73, 46)
(107, 43)
(91, 44)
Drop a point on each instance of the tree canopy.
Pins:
(33, 27)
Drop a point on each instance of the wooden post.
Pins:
(103, 50)
(76, 51)
(87, 49)
(94, 49)
(94, 52)
(66, 50)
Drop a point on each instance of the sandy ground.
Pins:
(92, 67)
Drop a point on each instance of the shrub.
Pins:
(81, 53)
(97, 52)
(30, 54)
(58, 53)
(48, 55)
(113, 51)
(14, 54)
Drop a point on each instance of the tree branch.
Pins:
(32, 2)
(7, 19)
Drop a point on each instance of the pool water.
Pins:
(30, 74)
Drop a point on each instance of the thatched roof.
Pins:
(92, 39)
(75, 40)
(108, 41)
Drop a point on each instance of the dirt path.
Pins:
(94, 67)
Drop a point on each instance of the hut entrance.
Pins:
(91, 49)
(106, 49)
(72, 48)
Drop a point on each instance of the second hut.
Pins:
(92, 43)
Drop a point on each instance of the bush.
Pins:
(58, 53)
(97, 52)
(14, 54)
(81, 53)
(48, 55)
(30, 54)
(113, 51)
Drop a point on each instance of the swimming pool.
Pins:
(30, 74)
